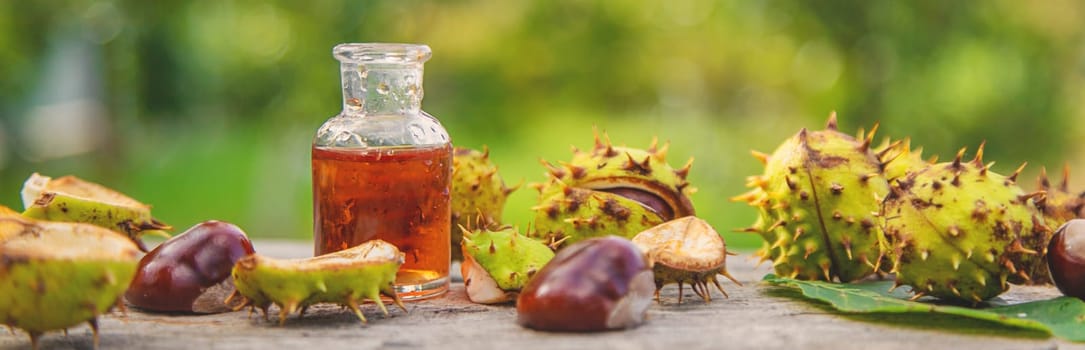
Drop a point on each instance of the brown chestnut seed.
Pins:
(594, 285)
(1066, 258)
(191, 271)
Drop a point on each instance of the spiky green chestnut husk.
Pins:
(346, 277)
(569, 215)
(70, 199)
(816, 203)
(605, 182)
(478, 193)
(900, 158)
(497, 264)
(58, 275)
(686, 251)
(1058, 205)
(959, 231)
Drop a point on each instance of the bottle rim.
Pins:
(363, 53)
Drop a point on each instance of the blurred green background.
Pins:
(206, 109)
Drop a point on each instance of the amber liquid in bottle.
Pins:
(400, 195)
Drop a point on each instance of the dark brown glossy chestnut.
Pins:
(594, 285)
(1066, 258)
(191, 271)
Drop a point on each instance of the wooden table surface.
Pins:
(756, 316)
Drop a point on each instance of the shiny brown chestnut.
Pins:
(597, 284)
(191, 271)
(1066, 258)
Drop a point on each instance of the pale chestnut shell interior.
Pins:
(65, 241)
(481, 286)
(38, 184)
(371, 252)
(687, 243)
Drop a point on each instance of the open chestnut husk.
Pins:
(191, 271)
(686, 251)
(594, 285)
(1066, 258)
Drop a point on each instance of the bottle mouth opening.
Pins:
(381, 53)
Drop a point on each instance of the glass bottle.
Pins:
(381, 168)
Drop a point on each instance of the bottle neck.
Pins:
(381, 88)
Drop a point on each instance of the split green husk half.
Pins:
(498, 263)
(686, 251)
(71, 199)
(56, 275)
(347, 277)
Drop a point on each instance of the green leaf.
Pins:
(1063, 317)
